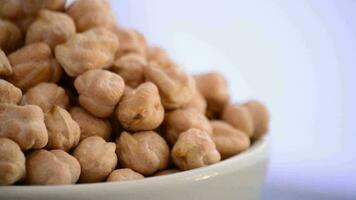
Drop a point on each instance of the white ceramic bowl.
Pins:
(240, 177)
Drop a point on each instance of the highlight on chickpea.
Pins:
(83, 100)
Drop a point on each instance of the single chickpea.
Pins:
(24, 125)
(92, 49)
(55, 167)
(50, 27)
(46, 96)
(9, 93)
(11, 9)
(145, 152)
(5, 67)
(131, 68)
(229, 141)
(99, 91)
(197, 103)
(167, 172)
(90, 125)
(180, 120)
(158, 55)
(260, 117)
(63, 131)
(126, 174)
(131, 41)
(141, 109)
(33, 64)
(97, 159)
(213, 87)
(239, 117)
(193, 149)
(175, 86)
(12, 162)
(32, 7)
(10, 36)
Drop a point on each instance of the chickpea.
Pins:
(12, 162)
(32, 7)
(34, 64)
(5, 67)
(10, 36)
(131, 41)
(145, 152)
(175, 86)
(141, 109)
(24, 22)
(55, 167)
(46, 96)
(90, 125)
(213, 87)
(93, 49)
(229, 141)
(158, 55)
(88, 14)
(181, 120)
(50, 27)
(63, 131)
(10, 9)
(9, 93)
(24, 125)
(260, 117)
(131, 68)
(166, 172)
(193, 149)
(197, 103)
(97, 159)
(126, 174)
(239, 117)
(99, 91)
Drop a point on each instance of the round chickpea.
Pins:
(11, 9)
(12, 162)
(10, 36)
(131, 41)
(31, 7)
(260, 117)
(55, 167)
(9, 93)
(239, 117)
(197, 103)
(126, 174)
(145, 152)
(97, 159)
(229, 141)
(193, 149)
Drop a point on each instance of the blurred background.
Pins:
(297, 56)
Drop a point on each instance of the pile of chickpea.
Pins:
(85, 100)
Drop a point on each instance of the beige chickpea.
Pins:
(180, 120)
(11, 9)
(9, 93)
(46, 96)
(92, 49)
(63, 131)
(193, 149)
(24, 125)
(12, 162)
(33, 64)
(99, 91)
(131, 68)
(32, 7)
(213, 87)
(260, 117)
(166, 172)
(175, 86)
(55, 167)
(126, 174)
(10, 36)
(229, 141)
(131, 41)
(197, 103)
(158, 55)
(97, 159)
(5, 67)
(141, 109)
(239, 117)
(50, 27)
(144, 152)
(90, 125)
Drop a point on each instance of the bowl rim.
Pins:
(257, 152)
